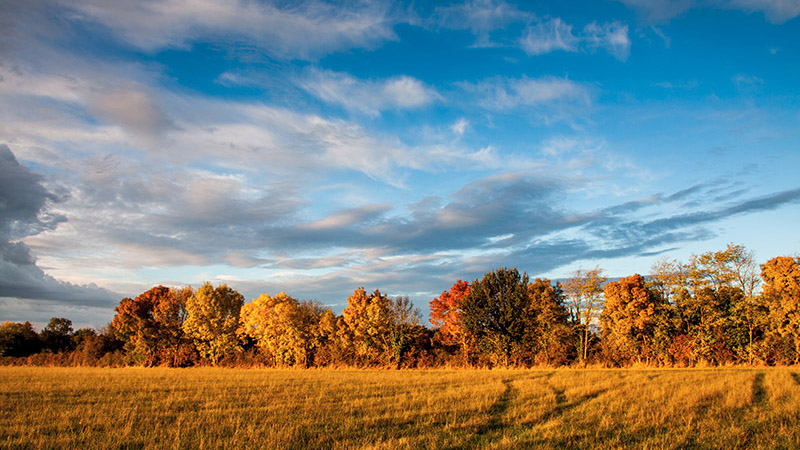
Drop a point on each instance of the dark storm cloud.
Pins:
(23, 205)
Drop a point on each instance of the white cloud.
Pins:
(612, 37)
(549, 36)
(369, 97)
(656, 11)
(481, 17)
(460, 126)
(304, 30)
(501, 94)
(556, 35)
(132, 109)
(775, 11)
(742, 80)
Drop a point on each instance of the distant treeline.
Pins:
(713, 310)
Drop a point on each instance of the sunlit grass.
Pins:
(43, 408)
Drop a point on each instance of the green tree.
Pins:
(667, 278)
(19, 339)
(57, 335)
(212, 321)
(718, 337)
(494, 312)
(548, 330)
(405, 328)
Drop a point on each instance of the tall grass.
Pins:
(206, 408)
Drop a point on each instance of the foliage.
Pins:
(548, 331)
(212, 321)
(57, 335)
(18, 339)
(367, 326)
(782, 289)
(151, 326)
(629, 317)
(494, 312)
(287, 332)
(706, 312)
(585, 291)
(445, 317)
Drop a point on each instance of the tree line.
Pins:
(719, 308)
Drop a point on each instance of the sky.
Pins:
(315, 147)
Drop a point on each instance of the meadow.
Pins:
(210, 408)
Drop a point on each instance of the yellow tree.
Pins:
(585, 293)
(667, 278)
(782, 289)
(275, 324)
(733, 267)
(286, 331)
(213, 319)
(368, 319)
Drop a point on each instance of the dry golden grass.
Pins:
(204, 408)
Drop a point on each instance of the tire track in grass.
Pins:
(758, 396)
(484, 435)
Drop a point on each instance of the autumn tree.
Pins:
(445, 316)
(585, 293)
(548, 331)
(712, 277)
(92, 346)
(630, 316)
(285, 330)
(734, 267)
(494, 312)
(213, 319)
(782, 290)
(151, 325)
(367, 324)
(667, 278)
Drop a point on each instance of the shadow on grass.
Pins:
(759, 391)
(498, 409)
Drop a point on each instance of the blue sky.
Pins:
(312, 147)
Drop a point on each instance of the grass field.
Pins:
(82, 408)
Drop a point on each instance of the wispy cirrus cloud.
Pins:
(548, 36)
(370, 97)
(503, 94)
(554, 34)
(481, 17)
(658, 11)
(303, 30)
